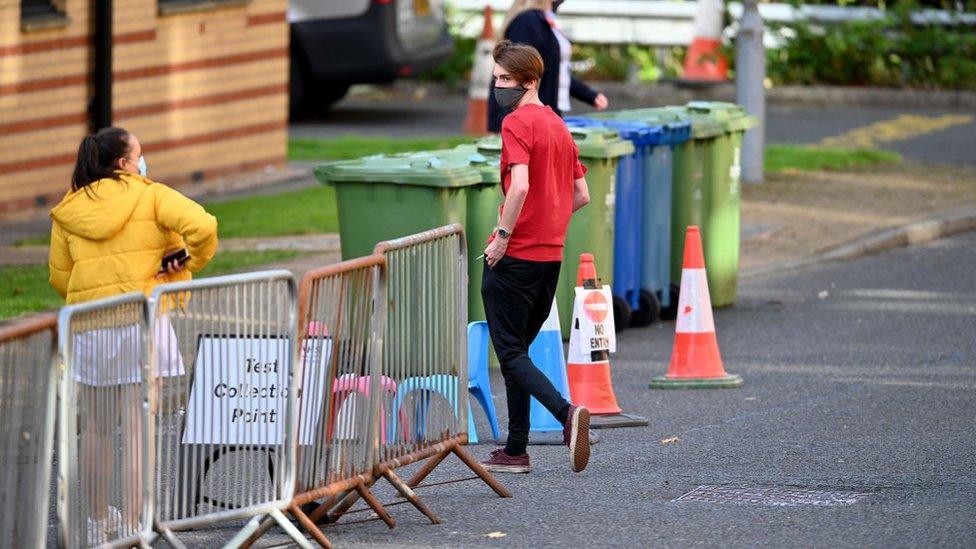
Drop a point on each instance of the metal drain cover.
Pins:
(783, 496)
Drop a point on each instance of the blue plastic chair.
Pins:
(440, 384)
(479, 385)
(479, 382)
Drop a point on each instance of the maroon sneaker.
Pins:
(500, 462)
(576, 435)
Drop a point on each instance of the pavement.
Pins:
(853, 428)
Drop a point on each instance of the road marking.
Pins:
(900, 128)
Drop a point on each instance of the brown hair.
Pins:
(98, 157)
(522, 61)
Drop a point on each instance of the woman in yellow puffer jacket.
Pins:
(109, 236)
(111, 231)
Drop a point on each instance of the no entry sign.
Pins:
(593, 327)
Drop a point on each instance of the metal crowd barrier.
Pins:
(28, 388)
(104, 445)
(228, 395)
(424, 353)
(343, 313)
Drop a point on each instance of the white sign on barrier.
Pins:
(240, 390)
(593, 326)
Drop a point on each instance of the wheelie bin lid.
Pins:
(463, 155)
(592, 143)
(675, 126)
(733, 117)
(703, 124)
(428, 171)
(491, 144)
(600, 143)
(640, 134)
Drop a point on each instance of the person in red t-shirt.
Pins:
(543, 181)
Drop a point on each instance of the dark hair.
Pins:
(522, 61)
(97, 156)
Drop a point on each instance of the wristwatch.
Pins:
(503, 233)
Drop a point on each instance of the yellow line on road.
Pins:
(906, 126)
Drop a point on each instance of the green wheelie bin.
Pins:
(691, 172)
(482, 202)
(380, 198)
(591, 228)
(721, 219)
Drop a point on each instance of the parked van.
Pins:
(337, 43)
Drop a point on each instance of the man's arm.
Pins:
(514, 200)
(515, 197)
(581, 194)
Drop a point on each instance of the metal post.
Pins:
(101, 106)
(750, 74)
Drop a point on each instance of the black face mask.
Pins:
(509, 97)
(556, 4)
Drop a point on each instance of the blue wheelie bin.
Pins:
(659, 187)
(628, 234)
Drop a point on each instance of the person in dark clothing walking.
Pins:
(544, 183)
(532, 22)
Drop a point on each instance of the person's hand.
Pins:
(601, 102)
(495, 250)
(172, 268)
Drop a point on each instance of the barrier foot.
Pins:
(290, 529)
(249, 531)
(168, 535)
(259, 531)
(310, 526)
(411, 496)
(375, 504)
(348, 501)
(479, 470)
(428, 467)
(322, 510)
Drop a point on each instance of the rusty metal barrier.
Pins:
(343, 315)
(104, 440)
(228, 398)
(28, 389)
(424, 353)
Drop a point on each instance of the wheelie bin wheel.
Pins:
(621, 313)
(671, 311)
(649, 311)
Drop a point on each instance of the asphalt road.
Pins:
(443, 115)
(853, 428)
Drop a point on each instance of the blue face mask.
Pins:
(143, 170)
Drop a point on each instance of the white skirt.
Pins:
(113, 356)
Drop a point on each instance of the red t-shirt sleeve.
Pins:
(579, 170)
(516, 141)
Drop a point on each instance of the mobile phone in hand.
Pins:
(180, 256)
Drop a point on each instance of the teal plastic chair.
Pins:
(479, 382)
(479, 385)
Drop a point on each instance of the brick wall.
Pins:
(205, 91)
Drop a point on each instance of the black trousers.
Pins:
(518, 297)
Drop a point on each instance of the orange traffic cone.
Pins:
(476, 121)
(695, 361)
(588, 371)
(704, 61)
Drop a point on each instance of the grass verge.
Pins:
(305, 211)
(349, 147)
(786, 158)
(26, 289)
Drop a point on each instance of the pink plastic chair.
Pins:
(348, 384)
